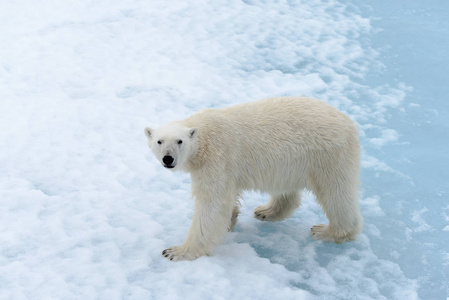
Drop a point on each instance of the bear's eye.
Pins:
(159, 142)
(179, 142)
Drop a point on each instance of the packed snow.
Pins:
(85, 209)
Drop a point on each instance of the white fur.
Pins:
(279, 146)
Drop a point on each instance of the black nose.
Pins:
(168, 160)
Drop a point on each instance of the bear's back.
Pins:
(263, 139)
(301, 121)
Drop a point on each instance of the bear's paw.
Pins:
(268, 213)
(325, 233)
(179, 253)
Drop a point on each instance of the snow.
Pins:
(85, 210)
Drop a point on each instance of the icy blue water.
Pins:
(414, 46)
(85, 210)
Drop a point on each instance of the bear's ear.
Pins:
(148, 132)
(193, 132)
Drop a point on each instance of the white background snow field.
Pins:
(85, 209)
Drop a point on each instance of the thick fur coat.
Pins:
(279, 146)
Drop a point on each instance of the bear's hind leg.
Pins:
(339, 199)
(279, 207)
(235, 214)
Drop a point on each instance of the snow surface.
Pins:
(85, 210)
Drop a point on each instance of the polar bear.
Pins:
(278, 146)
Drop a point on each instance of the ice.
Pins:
(85, 210)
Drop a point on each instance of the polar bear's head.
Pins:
(172, 144)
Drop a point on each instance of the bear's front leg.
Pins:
(211, 220)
